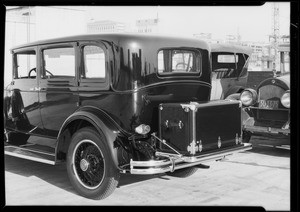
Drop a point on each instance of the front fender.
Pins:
(234, 90)
(101, 121)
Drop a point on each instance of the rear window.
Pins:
(228, 58)
(179, 61)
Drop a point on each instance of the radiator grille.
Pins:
(270, 92)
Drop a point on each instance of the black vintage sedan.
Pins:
(266, 110)
(109, 104)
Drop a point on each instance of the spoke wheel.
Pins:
(90, 166)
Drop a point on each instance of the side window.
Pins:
(25, 65)
(59, 62)
(225, 65)
(94, 62)
(178, 61)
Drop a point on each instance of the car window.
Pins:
(178, 61)
(25, 65)
(59, 62)
(94, 62)
(227, 65)
(228, 58)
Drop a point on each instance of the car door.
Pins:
(93, 75)
(58, 85)
(22, 105)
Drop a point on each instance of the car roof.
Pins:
(218, 47)
(123, 37)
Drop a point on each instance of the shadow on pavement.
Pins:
(57, 175)
(127, 179)
(272, 146)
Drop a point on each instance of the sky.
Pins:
(252, 22)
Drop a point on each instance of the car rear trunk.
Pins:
(200, 127)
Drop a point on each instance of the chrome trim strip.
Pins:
(30, 158)
(165, 165)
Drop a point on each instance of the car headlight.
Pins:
(248, 97)
(285, 99)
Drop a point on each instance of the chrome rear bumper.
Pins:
(174, 162)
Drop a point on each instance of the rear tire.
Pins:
(89, 165)
(183, 173)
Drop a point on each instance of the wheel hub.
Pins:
(84, 164)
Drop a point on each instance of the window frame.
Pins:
(82, 63)
(15, 52)
(186, 74)
(56, 46)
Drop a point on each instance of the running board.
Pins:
(30, 154)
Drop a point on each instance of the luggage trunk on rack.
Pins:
(200, 127)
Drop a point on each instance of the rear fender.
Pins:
(100, 121)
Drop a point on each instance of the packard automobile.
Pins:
(229, 70)
(113, 104)
(266, 110)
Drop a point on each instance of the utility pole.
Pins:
(275, 35)
(28, 14)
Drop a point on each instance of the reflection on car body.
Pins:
(229, 70)
(117, 103)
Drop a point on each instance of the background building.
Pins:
(105, 26)
(284, 52)
(147, 25)
(27, 24)
(204, 36)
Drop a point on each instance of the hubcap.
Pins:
(84, 165)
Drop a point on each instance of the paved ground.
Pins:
(260, 177)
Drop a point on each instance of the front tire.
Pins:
(89, 165)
